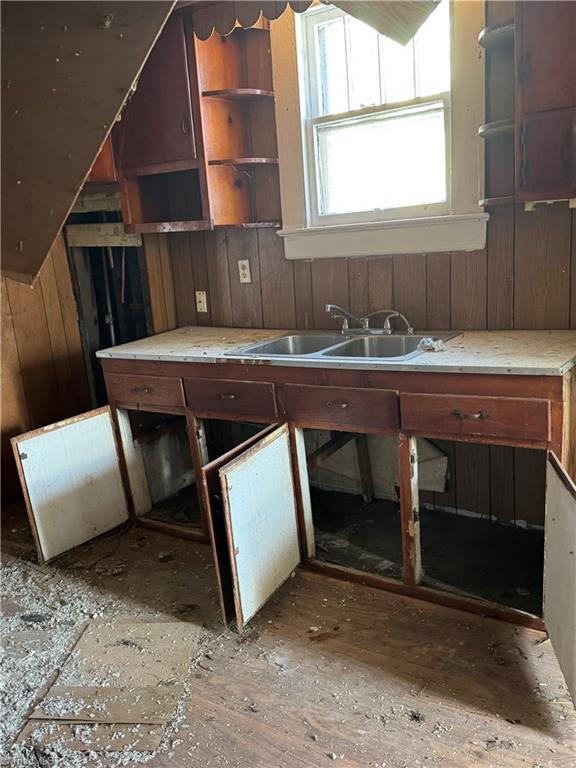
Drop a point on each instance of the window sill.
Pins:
(457, 232)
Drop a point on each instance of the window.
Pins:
(377, 142)
(376, 118)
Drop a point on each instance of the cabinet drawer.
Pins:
(342, 406)
(221, 398)
(465, 415)
(144, 390)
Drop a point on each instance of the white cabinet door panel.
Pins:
(261, 521)
(70, 473)
(560, 568)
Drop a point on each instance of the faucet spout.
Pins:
(345, 316)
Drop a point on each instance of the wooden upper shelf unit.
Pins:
(196, 145)
(531, 102)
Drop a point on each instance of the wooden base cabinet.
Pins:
(238, 435)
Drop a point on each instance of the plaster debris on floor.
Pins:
(327, 673)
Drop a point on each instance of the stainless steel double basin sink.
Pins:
(395, 346)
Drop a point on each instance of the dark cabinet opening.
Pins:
(484, 547)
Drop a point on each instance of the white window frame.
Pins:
(308, 82)
(460, 226)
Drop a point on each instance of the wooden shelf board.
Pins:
(245, 161)
(192, 225)
(160, 168)
(239, 93)
(497, 34)
(489, 202)
(496, 128)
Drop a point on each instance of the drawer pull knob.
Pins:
(478, 416)
(146, 390)
(338, 404)
(228, 396)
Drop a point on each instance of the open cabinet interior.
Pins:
(487, 552)
(354, 497)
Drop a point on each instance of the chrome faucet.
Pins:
(390, 313)
(346, 317)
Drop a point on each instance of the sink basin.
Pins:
(293, 345)
(377, 346)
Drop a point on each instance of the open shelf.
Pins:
(497, 35)
(496, 128)
(239, 93)
(239, 128)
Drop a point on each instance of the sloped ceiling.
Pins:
(67, 68)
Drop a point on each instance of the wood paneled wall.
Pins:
(43, 373)
(524, 278)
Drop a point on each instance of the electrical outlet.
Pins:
(201, 301)
(244, 271)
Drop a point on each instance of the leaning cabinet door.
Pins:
(560, 568)
(70, 475)
(260, 519)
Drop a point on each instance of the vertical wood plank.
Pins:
(155, 282)
(35, 352)
(502, 483)
(573, 272)
(303, 295)
(167, 282)
(468, 290)
(218, 277)
(409, 509)
(358, 282)
(473, 472)
(500, 268)
(200, 273)
(530, 485)
(276, 282)
(69, 310)
(183, 278)
(380, 283)
(15, 416)
(438, 291)
(329, 286)
(542, 267)
(57, 336)
(410, 287)
(246, 297)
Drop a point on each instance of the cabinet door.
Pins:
(156, 126)
(546, 55)
(253, 522)
(548, 155)
(70, 475)
(560, 568)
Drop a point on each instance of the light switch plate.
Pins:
(201, 301)
(244, 271)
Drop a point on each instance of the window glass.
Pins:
(394, 159)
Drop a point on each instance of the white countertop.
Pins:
(537, 353)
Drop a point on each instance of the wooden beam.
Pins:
(100, 236)
(326, 450)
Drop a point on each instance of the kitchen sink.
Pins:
(296, 345)
(377, 346)
(326, 346)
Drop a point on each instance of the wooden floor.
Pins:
(331, 672)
